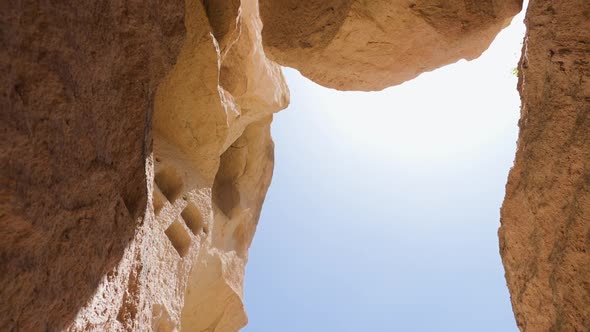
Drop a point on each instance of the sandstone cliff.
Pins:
(136, 147)
(136, 155)
(545, 233)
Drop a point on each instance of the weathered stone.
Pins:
(212, 146)
(112, 221)
(371, 45)
(81, 246)
(78, 82)
(545, 232)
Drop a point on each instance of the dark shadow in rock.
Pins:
(78, 82)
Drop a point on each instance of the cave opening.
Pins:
(397, 196)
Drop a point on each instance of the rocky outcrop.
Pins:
(78, 83)
(371, 45)
(545, 232)
(213, 163)
(136, 147)
(137, 152)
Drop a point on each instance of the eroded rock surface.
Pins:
(78, 83)
(136, 147)
(101, 229)
(371, 45)
(545, 233)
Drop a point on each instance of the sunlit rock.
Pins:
(137, 154)
(371, 45)
(136, 147)
(545, 233)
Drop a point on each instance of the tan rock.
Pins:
(545, 233)
(78, 82)
(213, 149)
(371, 45)
(88, 241)
(108, 225)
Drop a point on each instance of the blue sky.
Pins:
(384, 207)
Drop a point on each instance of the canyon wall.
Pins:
(136, 155)
(545, 232)
(78, 85)
(136, 147)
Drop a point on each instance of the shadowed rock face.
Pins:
(136, 147)
(545, 232)
(78, 84)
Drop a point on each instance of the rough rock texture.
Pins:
(214, 159)
(101, 229)
(374, 44)
(77, 90)
(136, 149)
(545, 232)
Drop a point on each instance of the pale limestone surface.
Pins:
(213, 164)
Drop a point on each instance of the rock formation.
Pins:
(78, 84)
(136, 147)
(137, 153)
(545, 232)
(371, 45)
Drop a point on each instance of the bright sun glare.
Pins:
(436, 117)
(384, 207)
